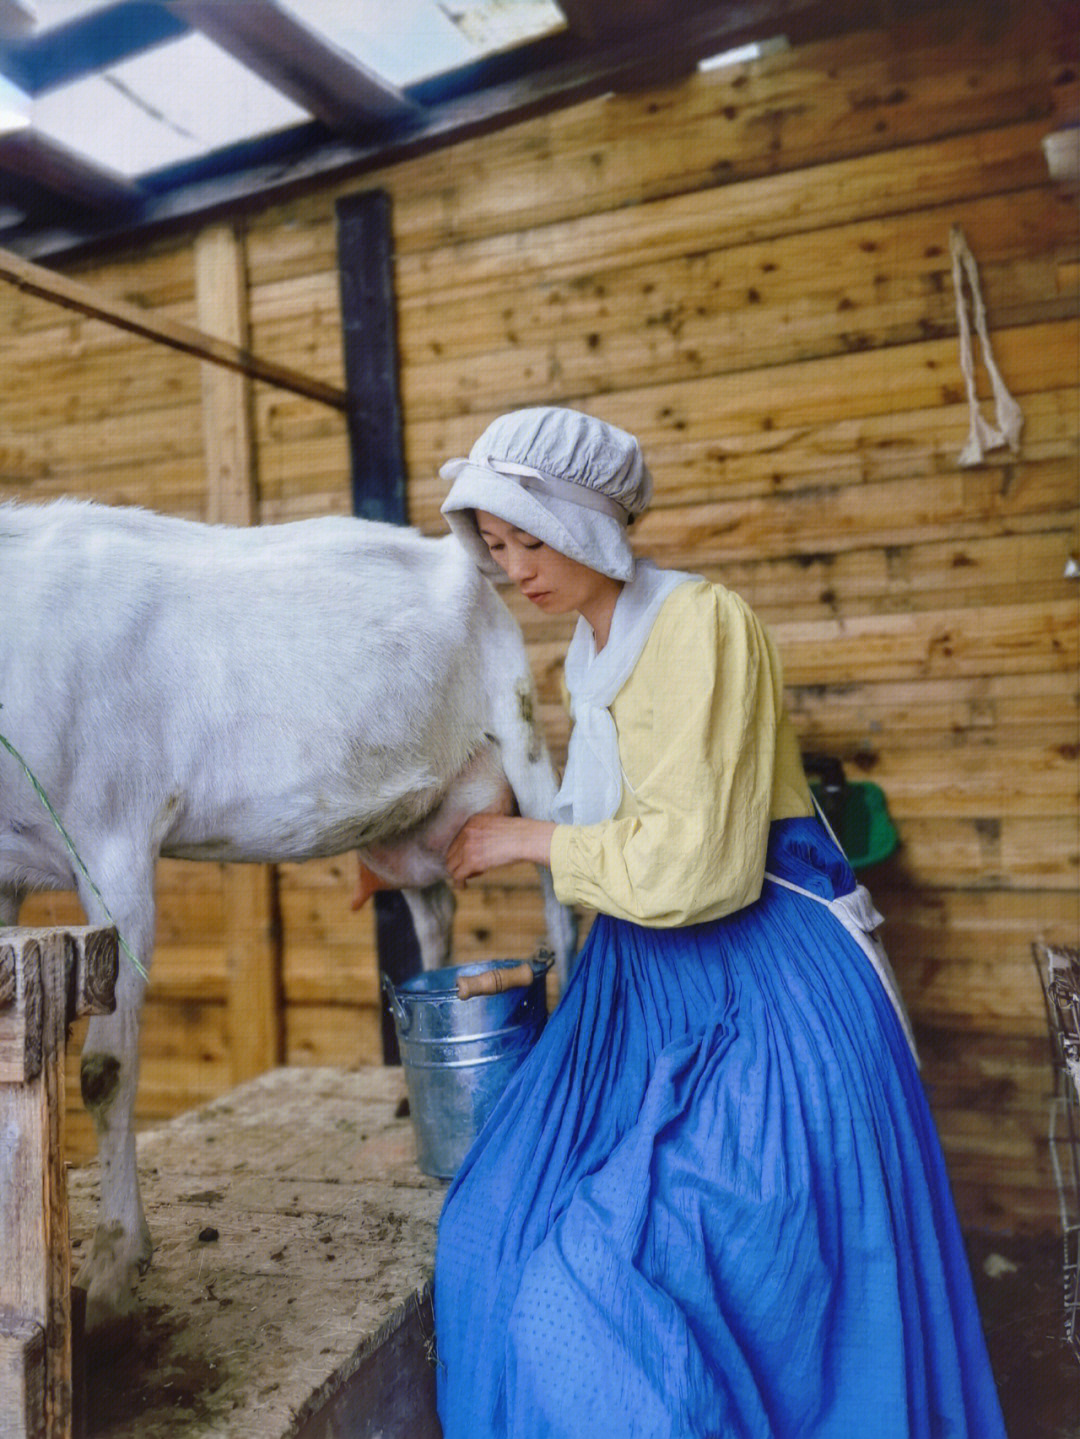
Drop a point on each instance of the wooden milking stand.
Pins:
(48, 977)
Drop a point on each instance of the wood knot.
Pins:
(7, 976)
(33, 1007)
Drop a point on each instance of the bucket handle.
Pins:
(401, 1015)
(530, 969)
(496, 981)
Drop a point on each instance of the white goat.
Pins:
(258, 694)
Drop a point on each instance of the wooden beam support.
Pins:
(600, 19)
(33, 156)
(275, 44)
(72, 295)
(252, 928)
(47, 977)
(221, 304)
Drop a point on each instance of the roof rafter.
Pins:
(558, 70)
(30, 155)
(275, 44)
(602, 19)
(85, 44)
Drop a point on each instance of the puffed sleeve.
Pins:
(697, 725)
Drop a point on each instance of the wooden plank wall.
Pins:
(751, 269)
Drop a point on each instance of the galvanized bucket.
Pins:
(459, 1054)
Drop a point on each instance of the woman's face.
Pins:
(553, 582)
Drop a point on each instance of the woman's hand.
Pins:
(488, 840)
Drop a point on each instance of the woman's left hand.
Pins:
(488, 840)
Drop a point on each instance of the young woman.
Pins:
(712, 1201)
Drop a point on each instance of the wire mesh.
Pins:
(1059, 974)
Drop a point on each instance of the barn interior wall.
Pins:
(750, 268)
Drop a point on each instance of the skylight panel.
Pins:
(175, 103)
(14, 107)
(412, 40)
(493, 25)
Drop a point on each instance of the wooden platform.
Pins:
(294, 1240)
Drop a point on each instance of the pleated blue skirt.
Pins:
(712, 1202)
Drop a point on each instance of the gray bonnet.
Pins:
(566, 478)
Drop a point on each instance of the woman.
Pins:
(712, 1201)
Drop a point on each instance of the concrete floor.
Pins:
(1038, 1374)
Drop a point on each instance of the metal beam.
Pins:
(59, 290)
(273, 43)
(369, 339)
(369, 336)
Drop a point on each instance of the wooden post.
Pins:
(47, 978)
(253, 939)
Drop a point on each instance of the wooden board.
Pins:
(711, 311)
(72, 294)
(868, 92)
(47, 977)
(728, 461)
(22, 1379)
(321, 1258)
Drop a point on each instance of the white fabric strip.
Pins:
(857, 914)
(592, 783)
(982, 436)
(538, 482)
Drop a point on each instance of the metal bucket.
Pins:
(459, 1054)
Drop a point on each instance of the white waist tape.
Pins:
(856, 912)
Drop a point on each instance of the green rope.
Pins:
(44, 798)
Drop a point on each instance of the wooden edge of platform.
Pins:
(386, 1387)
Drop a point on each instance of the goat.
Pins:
(266, 694)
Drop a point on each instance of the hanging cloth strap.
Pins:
(593, 779)
(982, 435)
(857, 913)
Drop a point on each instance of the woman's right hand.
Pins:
(487, 841)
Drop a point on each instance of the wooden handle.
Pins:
(494, 981)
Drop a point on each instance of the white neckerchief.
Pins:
(593, 782)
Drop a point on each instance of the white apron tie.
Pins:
(859, 916)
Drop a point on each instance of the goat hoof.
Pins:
(109, 1276)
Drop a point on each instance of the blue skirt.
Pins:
(712, 1202)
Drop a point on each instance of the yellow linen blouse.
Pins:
(709, 759)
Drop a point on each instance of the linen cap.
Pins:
(566, 478)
